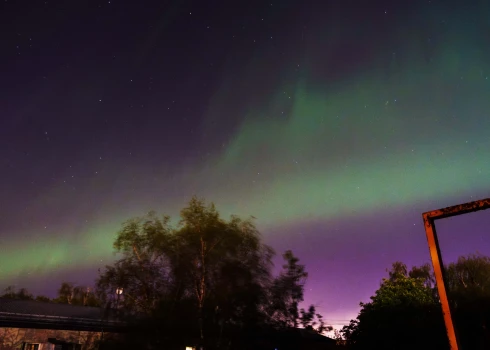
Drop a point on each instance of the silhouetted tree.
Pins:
(423, 273)
(11, 293)
(142, 274)
(42, 298)
(207, 277)
(65, 293)
(286, 293)
(403, 314)
(398, 270)
(310, 319)
(405, 311)
(68, 293)
(468, 281)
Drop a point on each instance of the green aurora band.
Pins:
(371, 142)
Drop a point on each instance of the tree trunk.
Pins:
(202, 291)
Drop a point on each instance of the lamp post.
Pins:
(119, 292)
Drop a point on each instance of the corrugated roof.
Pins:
(38, 314)
(33, 307)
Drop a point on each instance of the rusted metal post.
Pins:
(435, 254)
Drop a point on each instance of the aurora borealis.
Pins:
(334, 125)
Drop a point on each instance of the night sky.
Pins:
(335, 123)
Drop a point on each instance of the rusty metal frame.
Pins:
(435, 254)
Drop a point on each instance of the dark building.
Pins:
(295, 339)
(35, 325)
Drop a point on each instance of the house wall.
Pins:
(13, 338)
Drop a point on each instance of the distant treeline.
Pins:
(68, 293)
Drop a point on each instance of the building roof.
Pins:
(38, 314)
(33, 307)
(291, 335)
(311, 335)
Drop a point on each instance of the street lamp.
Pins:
(119, 292)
